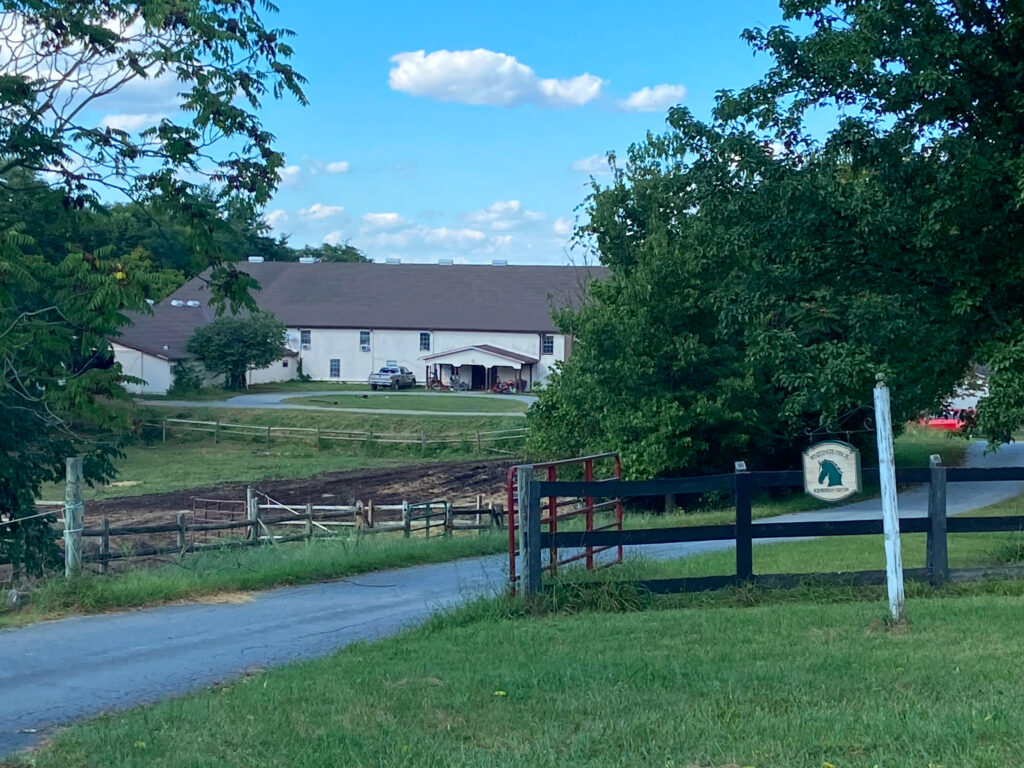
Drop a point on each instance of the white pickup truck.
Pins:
(392, 377)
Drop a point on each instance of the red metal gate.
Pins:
(559, 510)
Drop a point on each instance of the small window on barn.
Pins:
(304, 339)
(284, 363)
(547, 344)
(335, 368)
(424, 342)
(364, 341)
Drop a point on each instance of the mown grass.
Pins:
(219, 393)
(787, 686)
(245, 569)
(429, 401)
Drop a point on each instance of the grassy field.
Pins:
(192, 460)
(428, 401)
(772, 686)
(219, 393)
(235, 570)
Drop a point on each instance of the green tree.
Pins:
(760, 277)
(232, 346)
(328, 252)
(60, 299)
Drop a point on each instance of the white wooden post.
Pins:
(252, 513)
(73, 513)
(890, 508)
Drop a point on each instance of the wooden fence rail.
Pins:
(937, 525)
(482, 439)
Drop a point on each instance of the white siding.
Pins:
(155, 371)
(404, 347)
(282, 370)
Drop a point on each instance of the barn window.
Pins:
(364, 341)
(335, 368)
(547, 344)
(424, 342)
(304, 339)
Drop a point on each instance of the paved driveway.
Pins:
(56, 672)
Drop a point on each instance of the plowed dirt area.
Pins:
(455, 481)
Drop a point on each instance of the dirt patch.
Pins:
(457, 481)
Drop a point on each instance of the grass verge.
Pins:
(234, 570)
(789, 686)
(415, 402)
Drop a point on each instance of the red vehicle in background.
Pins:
(951, 419)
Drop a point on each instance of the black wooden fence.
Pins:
(744, 531)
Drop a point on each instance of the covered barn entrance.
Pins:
(480, 367)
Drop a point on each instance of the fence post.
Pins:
(423, 441)
(216, 429)
(938, 554)
(369, 514)
(318, 437)
(890, 504)
(163, 438)
(529, 530)
(360, 516)
(73, 514)
(744, 525)
(478, 448)
(670, 503)
(268, 435)
(309, 521)
(252, 513)
(449, 519)
(479, 505)
(406, 519)
(104, 544)
(182, 540)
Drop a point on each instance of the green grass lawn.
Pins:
(247, 569)
(219, 393)
(428, 401)
(772, 686)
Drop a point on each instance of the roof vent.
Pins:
(446, 262)
(192, 303)
(392, 260)
(255, 259)
(177, 303)
(308, 259)
(499, 263)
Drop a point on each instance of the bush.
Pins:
(188, 379)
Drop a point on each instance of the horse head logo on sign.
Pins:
(832, 470)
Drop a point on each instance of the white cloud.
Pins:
(131, 122)
(318, 211)
(594, 165)
(655, 99)
(341, 166)
(446, 236)
(333, 238)
(486, 77)
(290, 175)
(275, 217)
(562, 226)
(503, 215)
(383, 221)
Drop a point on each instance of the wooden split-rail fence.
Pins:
(482, 440)
(259, 519)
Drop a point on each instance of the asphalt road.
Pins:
(276, 401)
(60, 671)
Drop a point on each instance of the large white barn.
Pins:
(344, 321)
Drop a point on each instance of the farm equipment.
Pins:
(509, 387)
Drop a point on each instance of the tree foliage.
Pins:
(760, 277)
(64, 287)
(231, 346)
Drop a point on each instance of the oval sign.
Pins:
(832, 471)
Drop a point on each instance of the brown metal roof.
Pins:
(424, 297)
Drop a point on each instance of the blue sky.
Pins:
(479, 147)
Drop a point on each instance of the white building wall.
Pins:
(404, 347)
(282, 370)
(155, 371)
